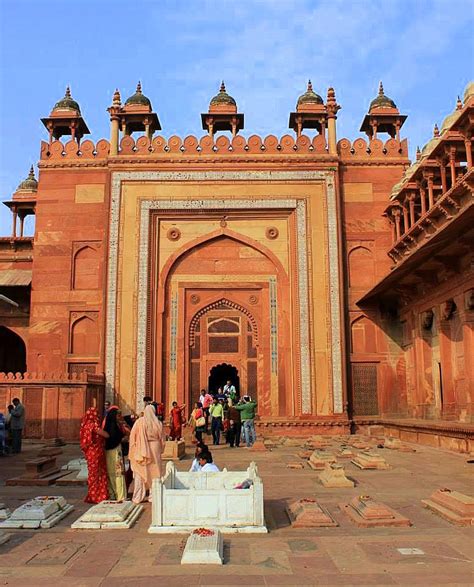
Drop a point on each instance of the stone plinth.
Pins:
(184, 501)
(76, 473)
(396, 444)
(109, 515)
(365, 512)
(319, 459)
(370, 460)
(345, 453)
(317, 442)
(307, 513)
(40, 471)
(204, 549)
(334, 476)
(295, 466)
(453, 506)
(41, 512)
(305, 454)
(175, 450)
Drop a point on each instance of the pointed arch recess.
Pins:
(219, 304)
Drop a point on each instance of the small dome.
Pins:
(222, 98)
(67, 103)
(449, 120)
(29, 184)
(138, 98)
(309, 97)
(382, 101)
(468, 92)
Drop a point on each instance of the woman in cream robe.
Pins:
(146, 447)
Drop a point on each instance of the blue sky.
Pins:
(265, 50)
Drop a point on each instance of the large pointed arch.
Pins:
(189, 246)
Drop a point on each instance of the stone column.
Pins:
(411, 203)
(468, 145)
(15, 214)
(114, 135)
(396, 214)
(442, 169)
(422, 200)
(452, 164)
(406, 224)
(22, 221)
(429, 178)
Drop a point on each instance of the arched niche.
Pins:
(361, 267)
(84, 339)
(363, 336)
(85, 270)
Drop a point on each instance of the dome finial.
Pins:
(310, 86)
(139, 87)
(29, 184)
(458, 104)
(436, 131)
(31, 175)
(222, 88)
(116, 100)
(381, 89)
(418, 153)
(68, 92)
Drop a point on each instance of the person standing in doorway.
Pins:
(217, 415)
(230, 391)
(247, 416)
(176, 421)
(17, 423)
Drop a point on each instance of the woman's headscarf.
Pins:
(146, 428)
(89, 423)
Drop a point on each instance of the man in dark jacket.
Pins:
(17, 423)
(235, 426)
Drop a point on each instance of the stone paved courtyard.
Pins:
(346, 555)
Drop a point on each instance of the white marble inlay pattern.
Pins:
(118, 177)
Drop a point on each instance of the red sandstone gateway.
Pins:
(330, 280)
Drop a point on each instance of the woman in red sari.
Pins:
(176, 421)
(92, 439)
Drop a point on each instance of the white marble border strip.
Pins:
(334, 296)
(119, 176)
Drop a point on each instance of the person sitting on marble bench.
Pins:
(200, 448)
(207, 465)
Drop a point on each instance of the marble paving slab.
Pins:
(109, 515)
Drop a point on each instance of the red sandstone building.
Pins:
(332, 280)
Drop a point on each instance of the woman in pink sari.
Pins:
(146, 446)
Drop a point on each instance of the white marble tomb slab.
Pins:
(109, 515)
(40, 512)
(75, 465)
(204, 550)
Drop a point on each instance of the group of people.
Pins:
(227, 414)
(105, 445)
(11, 428)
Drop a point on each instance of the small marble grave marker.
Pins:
(319, 459)
(109, 515)
(4, 512)
(370, 460)
(77, 475)
(365, 512)
(453, 506)
(204, 547)
(334, 476)
(44, 511)
(307, 513)
(345, 453)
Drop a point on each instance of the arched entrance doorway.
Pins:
(12, 352)
(220, 374)
(223, 346)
